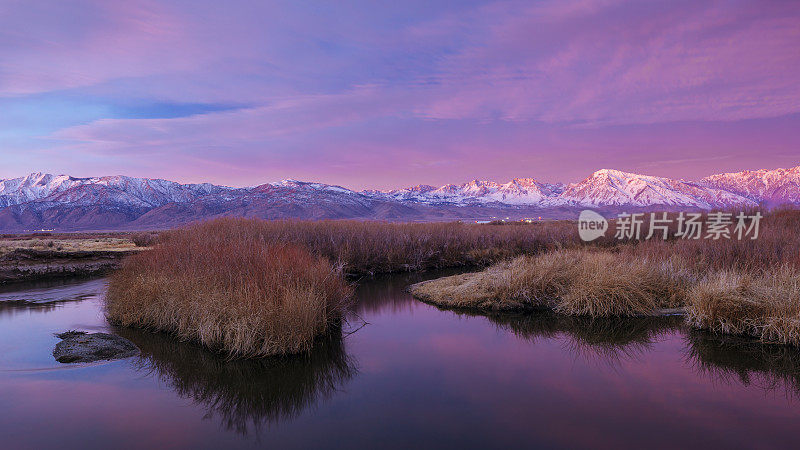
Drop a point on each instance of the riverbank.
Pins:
(743, 287)
(39, 256)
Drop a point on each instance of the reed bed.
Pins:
(230, 290)
(582, 282)
(379, 247)
(254, 288)
(744, 287)
(765, 304)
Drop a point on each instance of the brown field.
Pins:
(586, 281)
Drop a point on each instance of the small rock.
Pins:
(79, 346)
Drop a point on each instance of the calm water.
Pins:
(413, 376)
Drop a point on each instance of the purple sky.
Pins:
(380, 94)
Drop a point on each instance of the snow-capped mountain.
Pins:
(519, 191)
(121, 190)
(59, 201)
(616, 188)
(773, 187)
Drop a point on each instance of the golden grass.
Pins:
(232, 291)
(252, 287)
(584, 282)
(745, 287)
(765, 305)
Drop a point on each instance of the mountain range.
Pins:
(45, 201)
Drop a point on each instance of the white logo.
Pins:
(591, 225)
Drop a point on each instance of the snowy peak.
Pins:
(294, 184)
(33, 186)
(41, 200)
(775, 187)
(608, 187)
(117, 189)
(519, 191)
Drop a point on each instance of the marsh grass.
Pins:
(583, 282)
(744, 287)
(765, 304)
(378, 247)
(230, 290)
(253, 288)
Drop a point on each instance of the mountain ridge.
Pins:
(39, 200)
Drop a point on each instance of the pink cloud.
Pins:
(369, 95)
(603, 65)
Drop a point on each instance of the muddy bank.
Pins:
(29, 264)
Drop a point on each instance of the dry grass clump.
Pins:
(144, 239)
(778, 244)
(748, 287)
(765, 304)
(584, 282)
(232, 291)
(380, 247)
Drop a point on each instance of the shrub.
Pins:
(144, 239)
(379, 247)
(223, 285)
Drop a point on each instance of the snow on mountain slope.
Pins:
(616, 188)
(59, 201)
(776, 186)
(519, 191)
(47, 189)
(32, 187)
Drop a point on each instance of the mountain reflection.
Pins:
(247, 394)
(773, 367)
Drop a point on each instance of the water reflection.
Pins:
(245, 395)
(47, 295)
(440, 379)
(731, 359)
(611, 339)
(387, 293)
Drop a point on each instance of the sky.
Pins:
(379, 94)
